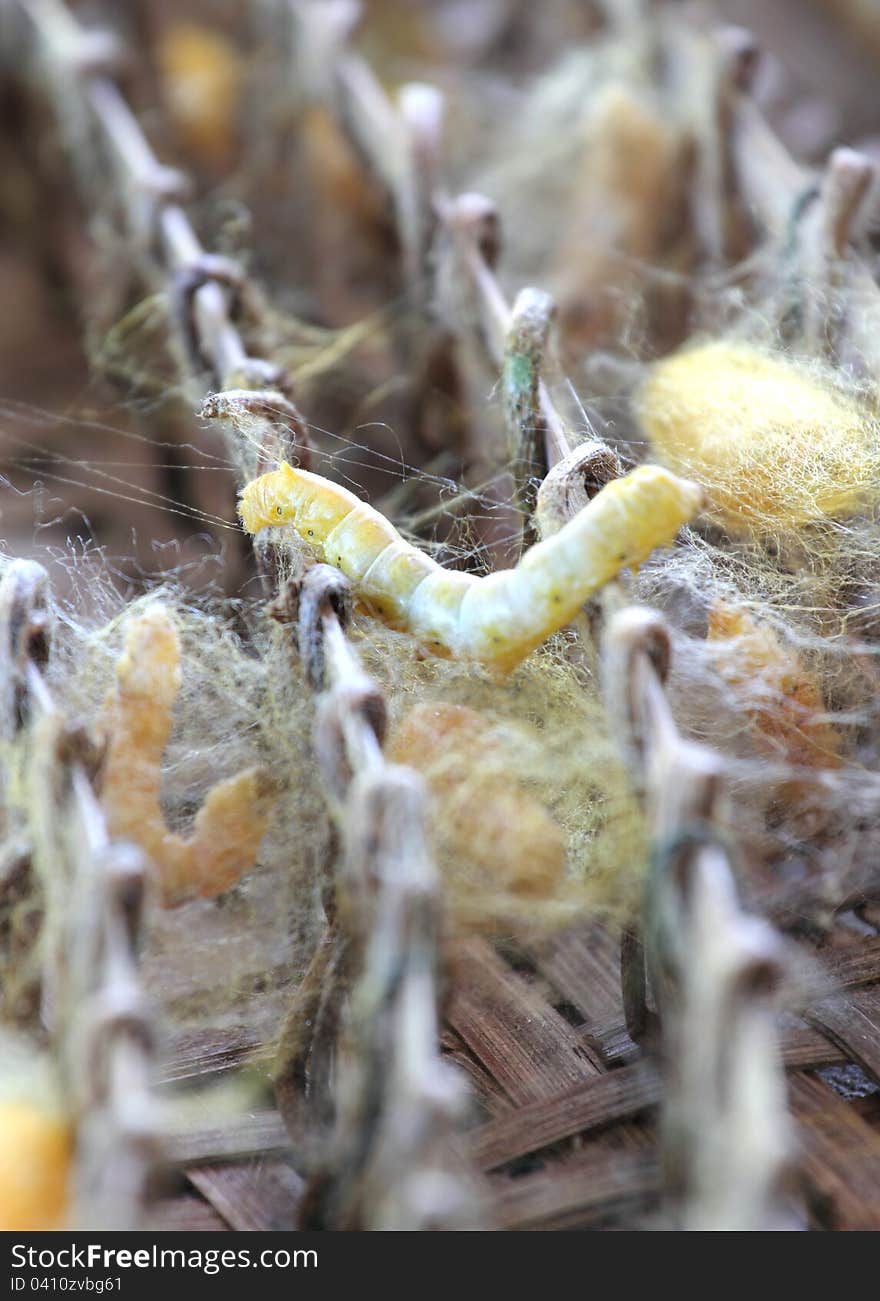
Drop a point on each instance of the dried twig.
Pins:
(24, 633)
(399, 143)
(93, 893)
(398, 1103)
(467, 249)
(764, 173)
(572, 483)
(207, 291)
(716, 74)
(714, 970)
(830, 229)
(521, 387)
(811, 219)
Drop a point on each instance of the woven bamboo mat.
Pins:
(566, 1135)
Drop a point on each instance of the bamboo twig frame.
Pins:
(467, 247)
(715, 972)
(399, 142)
(207, 292)
(93, 892)
(391, 1160)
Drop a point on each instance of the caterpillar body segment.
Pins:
(497, 619)
(507, 614)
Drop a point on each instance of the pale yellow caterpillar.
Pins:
(496, 619)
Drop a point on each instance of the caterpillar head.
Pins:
(270, 500)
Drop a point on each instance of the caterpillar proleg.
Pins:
(497, 619)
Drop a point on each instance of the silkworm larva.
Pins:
(230, 824)
(497, 619)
